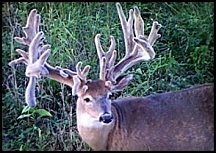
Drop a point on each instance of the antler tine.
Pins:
(112, 59)
(34, 47)
(44, 48)
(112, 45)
(111, 63)
(78, 77)
(99, 48)
(17, 61)
(78, 70)
(82, 74)
(130, 34)
(31, 28)
(103, 68)
(127, 28)
(110, 55)
(76, 85)
(22, 53)
(138, 23)
(153, 36)
(101, 57)
(85, 71)
(23, 59)
(106, 59)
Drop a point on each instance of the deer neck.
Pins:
(93, 132)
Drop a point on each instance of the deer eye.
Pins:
(87, 100)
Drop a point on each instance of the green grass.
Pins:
(184, 58)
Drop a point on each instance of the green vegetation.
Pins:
(184, 58)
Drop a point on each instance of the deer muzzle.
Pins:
(106, 117)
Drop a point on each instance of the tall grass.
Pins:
(184, 58)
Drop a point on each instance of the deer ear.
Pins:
(122, 83)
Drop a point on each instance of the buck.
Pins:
(180, 120)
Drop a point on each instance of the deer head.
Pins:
(94, 96)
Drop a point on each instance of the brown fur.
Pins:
(96, 88)
(181, 120)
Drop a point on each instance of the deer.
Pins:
(175, 120)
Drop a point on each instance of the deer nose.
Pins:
(106, 117)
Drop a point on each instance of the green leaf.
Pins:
(24, 116)
(139, 71)
(21, 148)
(26, 109)
(42, 112)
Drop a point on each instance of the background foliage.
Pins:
(184, 58)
